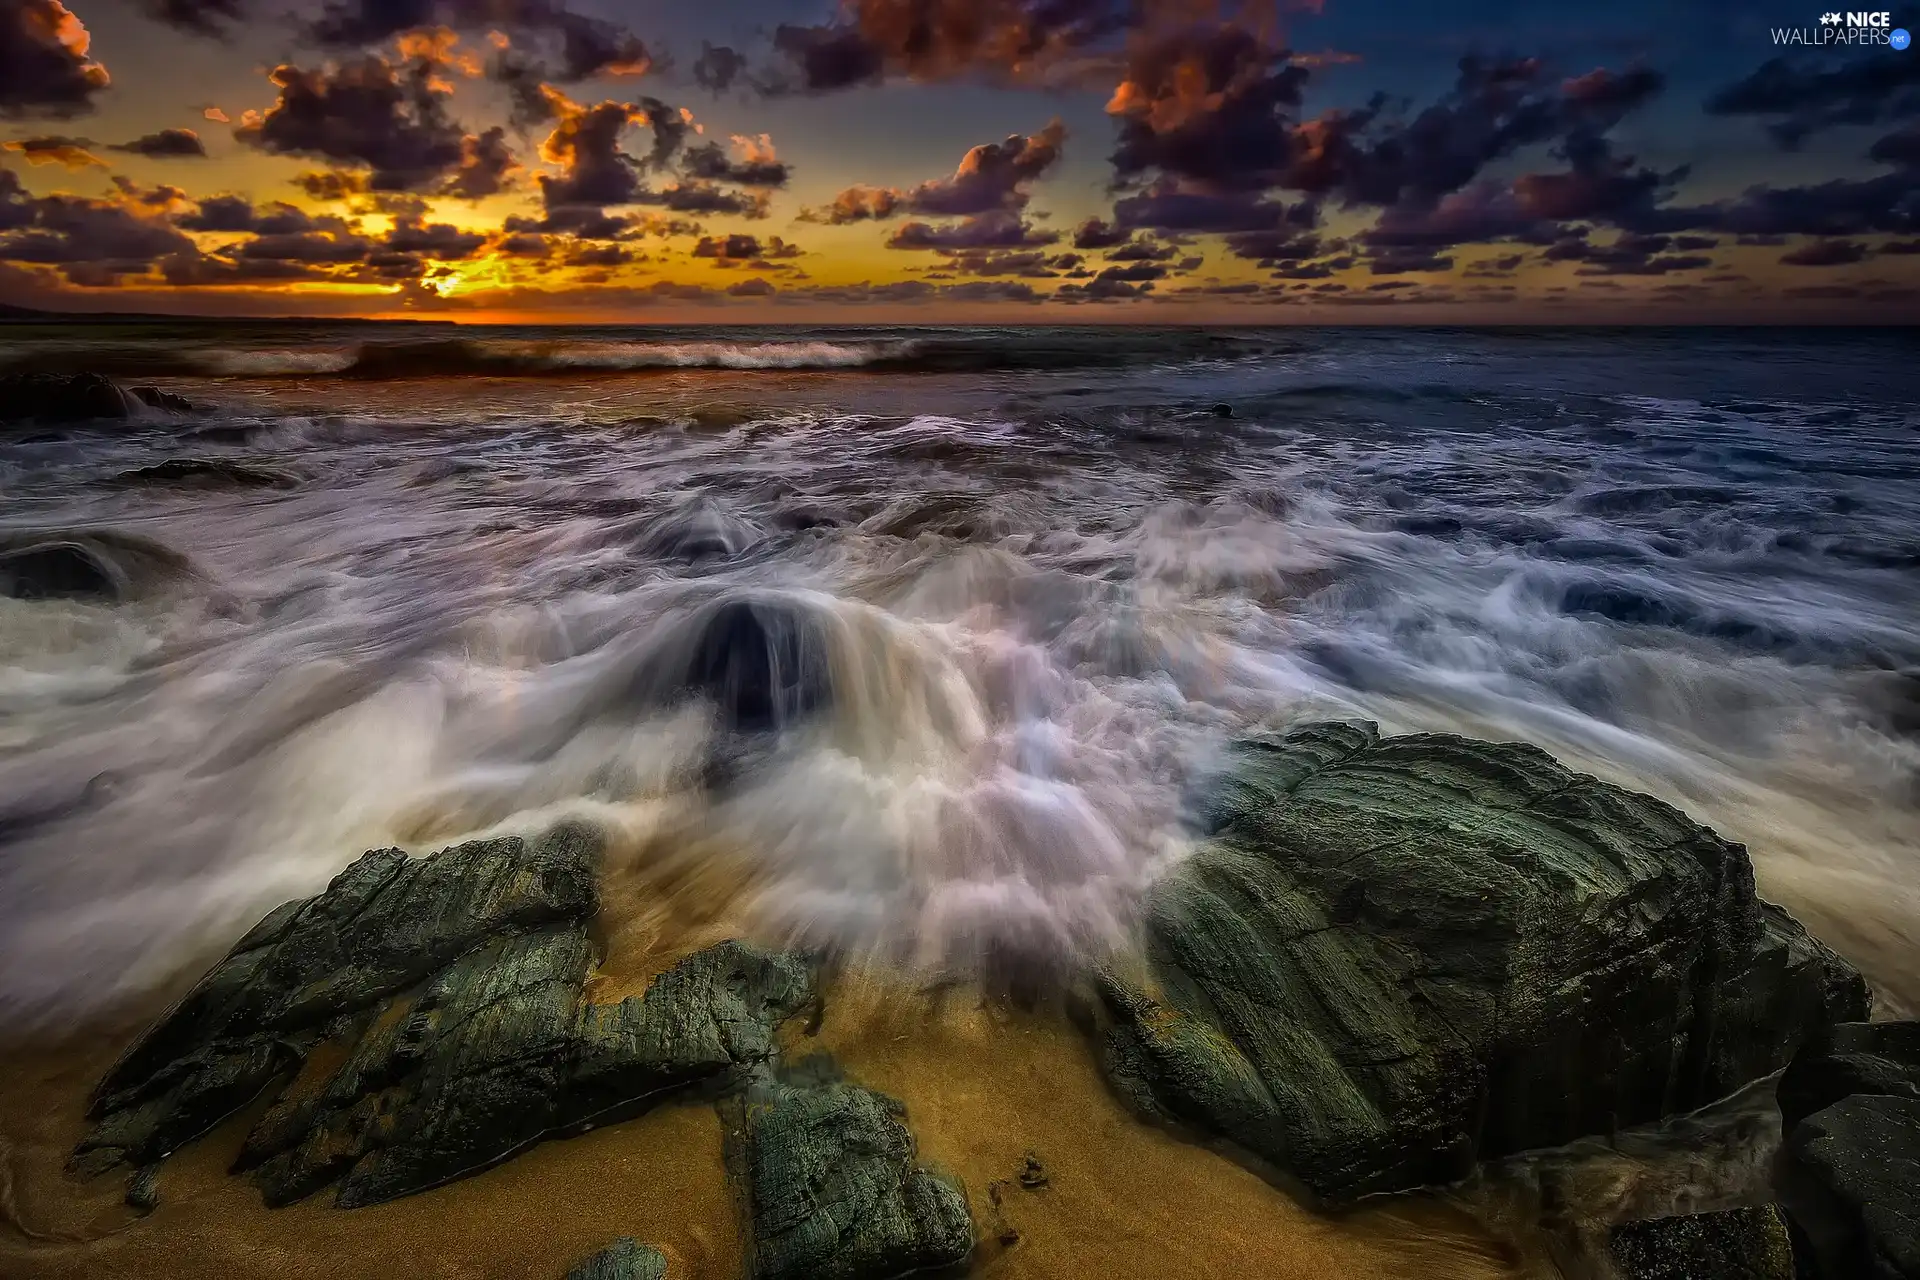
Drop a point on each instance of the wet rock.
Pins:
(1400, 956)
(624, 1259)
(451, 989)
(85, 565)
(62, 397)
(696, 533)
(208, 472)
(143, 1190)
(1033, 1175)
(1734, 1244)
(1223, 411)
(832, 1190)
(155, 398)
(1848, 1173)
(761, 662)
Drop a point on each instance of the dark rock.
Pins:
(85, 565)
(832, 1190)
(761, 662)
(1223, 411)
(454, 985)
(61, 397)
(624, 1259)
(1848, 1173)
(1734, 1244)
(1033, 1175)
(143, 1190)
(155, 398)
(206, 472)
(1398, 957)
(698, 532)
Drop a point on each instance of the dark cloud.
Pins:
(706, 198)
(332, 184)
(1033, 264)
(390, 118)
(434, 239)
(718, 67)
(94, 243)
(1825, 253)
(994, 176)
(597, 171)
(202, 17)
(728, 251)
(1166, 207)
(752, 288)
(1809, 95)
(57, 149)
(1097, 233)
(599, 255)
(1142, 251)
(45, 69)
(165, 144)
(487, 166)
(756, 166)
(997, 230)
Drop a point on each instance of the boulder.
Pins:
(452, 990)
(91, 564)
(1848, 1173)
(62, 397)
(1397, 957)
(832, 1189)
(1733, 1244)
(624, 1259)
(762, 662)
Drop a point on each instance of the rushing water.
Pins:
(1045, 583)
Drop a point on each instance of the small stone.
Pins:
(143, 1189)
(624, 1259)
(1033, 1174)
(1223, 411)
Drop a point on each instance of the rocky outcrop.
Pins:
(451, 991)
(624, 1259)
(832, 1191)
(1848, 1174)
(77, 397)
(206, 473)
(91, 564)
(1733, 1244)
(1399, 956)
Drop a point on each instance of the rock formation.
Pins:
(1732, 1244)
(1399, 956)
(624, 1259)
(1848, 1174)
(77, 397)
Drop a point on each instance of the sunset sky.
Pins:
(930, 160)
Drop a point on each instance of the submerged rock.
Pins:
(1400, 956)
(98, 564)
(833, 1192)
(761, 661)
(696, 533)
(453, 986)
(1848, 1174)
(206, 471)
(1733, 1244)
(624, 1259)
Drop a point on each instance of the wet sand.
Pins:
(984, 1086)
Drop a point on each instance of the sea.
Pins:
(409, 585)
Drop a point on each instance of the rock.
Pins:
(1848, 1173)
(624, 1259)
(1398, 957)
(155, 398)
(453, 987)
(1033, 1175)
(207, 472)
(98, 564)
(832, 1190)
(143, 1190)
(62, 397)
(696, 533)
(1223, 411)
(761, 662)
(1733, 1244)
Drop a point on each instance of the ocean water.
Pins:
(454, 582)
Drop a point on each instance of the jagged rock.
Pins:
(96, 564)
(208, 472)
(1848, 1173)
(62, 397)
(624, 1259)
(455, 985)
(832, 1191)
(1400, 956)
(1733, 1244)
(155, 398)
(143, 1190)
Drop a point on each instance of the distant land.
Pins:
(13, 314)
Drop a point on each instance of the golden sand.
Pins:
(984, 1086)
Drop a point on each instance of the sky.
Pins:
(929, 161)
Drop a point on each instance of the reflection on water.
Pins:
(936, 648)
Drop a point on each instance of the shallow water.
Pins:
(1045, 581)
